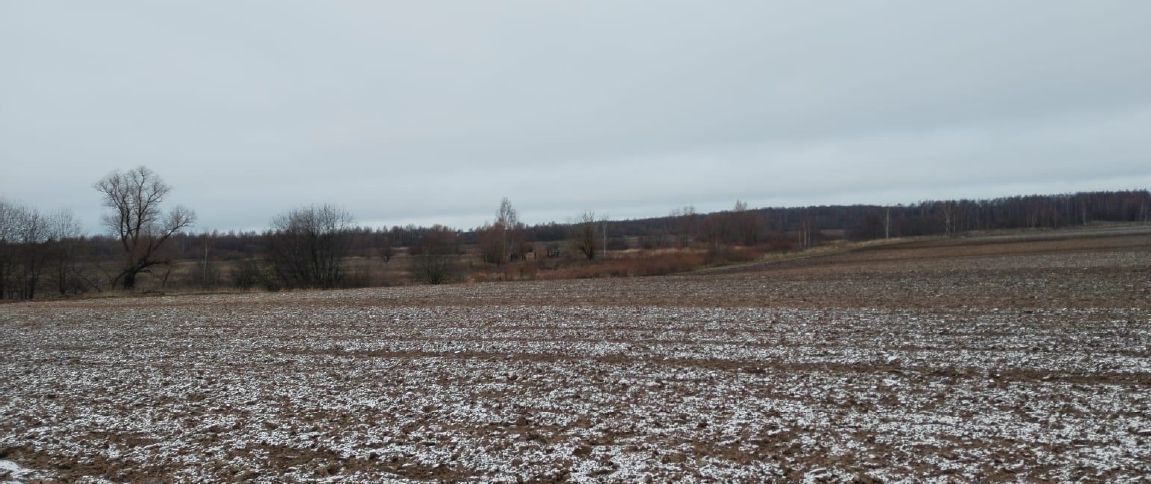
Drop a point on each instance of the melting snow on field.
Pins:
(298, 387)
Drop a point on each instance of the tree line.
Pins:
(45, 254)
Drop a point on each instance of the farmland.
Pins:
(1003, 357)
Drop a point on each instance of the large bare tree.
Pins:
(135, 197)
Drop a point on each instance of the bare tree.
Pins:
(745, 224)
(585, 236)
(686, 224)
(435, 254)
(65, 248)
(135, 197)
(489, 241)
(23, 237)
(10, 221)
(502, 241)
(205, 273)
(386, 251)
(887, 223)
(307, 246)
(948, 210)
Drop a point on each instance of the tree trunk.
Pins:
(129, 280)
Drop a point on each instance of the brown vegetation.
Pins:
(150, 253)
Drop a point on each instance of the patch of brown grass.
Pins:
(633, 265)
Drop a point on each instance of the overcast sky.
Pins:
(431, 111)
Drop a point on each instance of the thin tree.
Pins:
(386, 251)
(135, 197)
(948, 211)
(502, 241)
(584, 235)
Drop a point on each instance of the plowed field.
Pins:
(995, 358)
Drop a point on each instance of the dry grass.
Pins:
(632, 263)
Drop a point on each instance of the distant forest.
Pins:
(147, 249)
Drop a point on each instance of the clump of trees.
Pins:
(65, 249)
(738, 226)
(502, 241)
(436, 255)
(22, 232)
(39, 251)
(307, 246)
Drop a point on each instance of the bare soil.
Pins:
(1016, 357)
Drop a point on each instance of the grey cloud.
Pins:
(433, 111)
